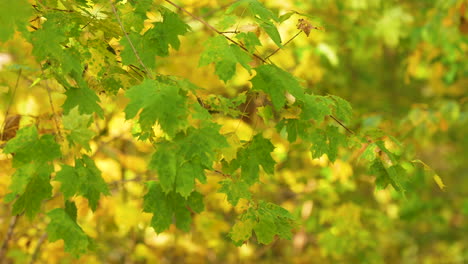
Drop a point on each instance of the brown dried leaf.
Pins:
(305, 26)
(10, 128)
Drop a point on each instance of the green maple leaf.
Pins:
(180, 162)
(47, 40)
(27, 139)
(225, 56)
(62, 226)
(327, 142)
(144, 46)
(262, 15)
(30, 186)
(294, 128)
(394, 175)
(316, 107)
(159, 101)
(250, 40)
(86, 100)
(168, 206)
(168, 31)
(83, 179)
(343, 110)
(154, 41)
(71, 210)
(13, 15)
(271, 30)
(275, 82)
(242, 230)
(256, 8)
(273, 220)
(267, 220)
(255, 154)
(77, 126)
(235, 190)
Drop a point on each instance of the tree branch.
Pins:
(214, 29)
(114, 10)
(8, 236)
(38, 248)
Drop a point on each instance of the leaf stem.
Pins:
(114, 10)
(341, 124)
(286, 43)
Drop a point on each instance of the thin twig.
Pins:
(11, 101)
(38, 248)
(49, 93)
(341, 124)
(8, 236)
(214, 29)
(286, 43)
(148, 73)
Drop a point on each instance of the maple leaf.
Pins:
(166, 206)
(156, 40)
(77, 126)
(30, 186)
(294, 127)
(242, 230)
(83, 179)
(256, 8)
(394, 175)
(343, 109)
(327, 142)
(224, 56)
(144, 45)
(250, 40)
(255, 154)
(267, 221)
(180, 162)
(13, 15)
(47, 41)
(86, 100)
(27, 138)
(168, 31)
(271, 30)
(159, 101)
(235, 190)
(316, 107)
(62, 226)
(262, 15)
(276, 82)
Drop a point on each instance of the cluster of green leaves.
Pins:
(191, 142)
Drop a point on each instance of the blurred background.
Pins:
(403, 66)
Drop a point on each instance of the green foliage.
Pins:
(276, 82)
(267, 221)
(235, 189)
(119, 81)
(13, 16)
(162, 102)
(180, 162)
(82, 179)
(63, 226)
(166, 206)
(255, 154)
(77, 126)
(225, 56)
